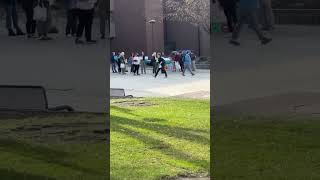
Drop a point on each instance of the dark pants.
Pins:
(12, 17)
(136, 69)
(163, 70)
(113, 66)
(71, 27)
(31, 23)
(85, 23)
(155, 67)
(181, 66)
(249, 16)
(119, 67)
(231, 15)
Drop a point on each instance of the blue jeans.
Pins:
(12, 16)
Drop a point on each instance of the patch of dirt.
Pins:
(77, 132)
(132, 103)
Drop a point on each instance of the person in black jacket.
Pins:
(12, 18)
(28, 6)
(162, 66)
(230, 11)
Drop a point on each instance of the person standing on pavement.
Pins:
(12, 18)
(248, 12)
(122, 61)
(154, 62)
(230, 11)
(85, 14)
(161, 66)
(136, 64)
(193, 61)
(43, 24)
(119, 63)
(180, 60)
(143, 63)
(71, 27)
(103, 8)
(187, 62)
(31, 24)
(267, 15)
(113, 62)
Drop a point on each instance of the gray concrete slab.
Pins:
(74, 75)
(290, 64)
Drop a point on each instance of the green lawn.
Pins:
(278, 148)
(159, 138)
(53, 147)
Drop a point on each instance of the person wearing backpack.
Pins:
(161, 66)
(12, 20)
(143, 63)
(31, 24)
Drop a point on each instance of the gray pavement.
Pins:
(288, 67)
(73, 75)
(175, 85)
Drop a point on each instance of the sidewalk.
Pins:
(174, 85)
(290, 64)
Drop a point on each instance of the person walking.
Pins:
(161, 66)
(193, 61)
(136, 64)
(113, 62)
(187, 63)
(103, 9)
(154, 62)
(267, 15)
(27, 6)
(119, 63)
(122, 63)
(230, 11)
(71, 27)
(143, 63)
(248, 12)
(85, 14)
(180, 60)
(12, 20)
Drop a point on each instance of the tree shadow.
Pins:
(42, 153)
(178, 132)
(14, 175)
(124, 110)
(156, 144)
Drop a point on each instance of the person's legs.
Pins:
(165, 72)
(15, 20)
(253, 22)
(157, 72)
(73, 22)
(80, 28)
(268, 15)
(69, 22)
(103, 21)
(137, 69)
(227, 13)
(88, 24)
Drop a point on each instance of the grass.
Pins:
(159, 138)
(53, 147)
(275, 148)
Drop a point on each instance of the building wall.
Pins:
(130, 31)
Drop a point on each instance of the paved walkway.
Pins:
(197, 86)
(289, 65)
(74, 75)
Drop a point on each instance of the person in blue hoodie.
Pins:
(248, 13)
(187, 62)
(113, 62)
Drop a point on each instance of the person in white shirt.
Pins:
(136, 64)
(85, 15)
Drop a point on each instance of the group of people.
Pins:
(254, 12)
(79, 13)
(185, 60)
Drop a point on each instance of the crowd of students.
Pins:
(254, 12)
(179, 61)
(79, 16)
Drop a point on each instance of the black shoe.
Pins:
(78, 41)
(20, 33)
(234, 42)
(265, 41)
(91, 41)
(11, 32)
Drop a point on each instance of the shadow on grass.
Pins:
(123, 110)
(45, 154)
(7, 174)
(118, 124)
(178, 132)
